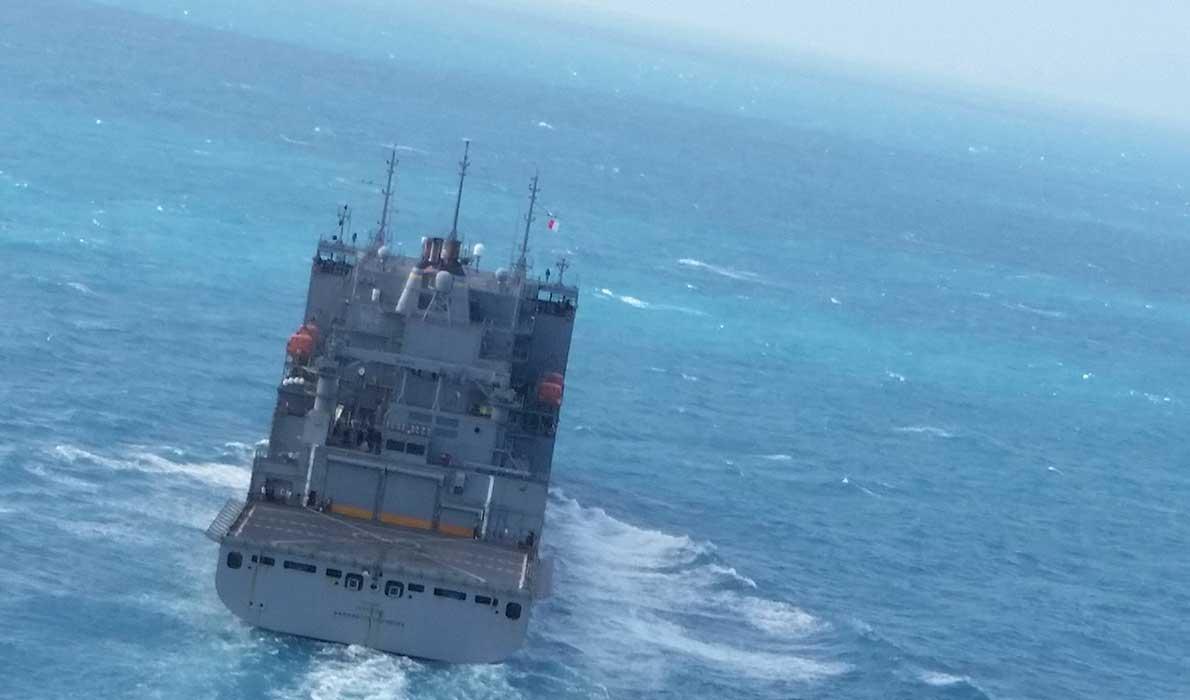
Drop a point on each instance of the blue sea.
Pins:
(879, 388)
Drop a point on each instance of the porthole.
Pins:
(234, 560)
(513, 611)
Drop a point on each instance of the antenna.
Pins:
(378, 238)
(533, 190)
(344, 219)
(454, 227)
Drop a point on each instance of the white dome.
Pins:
(501, 275)
(443, 281)
(478, 250)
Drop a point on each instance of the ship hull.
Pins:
(444, 621)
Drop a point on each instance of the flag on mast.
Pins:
(552, 224)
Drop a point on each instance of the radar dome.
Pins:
(383, 251)
(443, 281)
(501, 275)
(478, 250)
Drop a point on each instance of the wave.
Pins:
(352, 672)
(545, 125)
(80, 288)
(637, 601)
(215, 474)
(1152, 398)
(296, 142)
(925, 430)
(640, 304)
(1048, 313)
(718, 270)
(940, 679)
(778, 457)
(629, 300)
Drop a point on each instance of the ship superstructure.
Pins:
(399, 502)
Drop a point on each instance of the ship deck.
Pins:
(368, 544)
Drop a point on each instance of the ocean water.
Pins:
(877, 391)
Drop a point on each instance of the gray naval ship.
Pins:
(399, 502)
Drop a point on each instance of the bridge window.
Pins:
(267, 561)
(394, 589)
(353, 582)
(234, 560)
(415, 449)
(448, 593)
(483, 599)
(394, 446)
(299, 566)
(416, 588)
(513, 611)
(334, 573)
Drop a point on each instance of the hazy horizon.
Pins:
(1096, 54)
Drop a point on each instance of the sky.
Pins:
(1131, 58)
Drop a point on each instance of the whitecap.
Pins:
(925, 430)
(215, 474)
(297, 142)
(1048, 313)
(634, 587)
(546, 125)
(778, 457)
(835, 301)
(939, 679)
(718, 270)
(80, 288)
(778, 618)
(355, 672)
(897, 376)
(639, 303)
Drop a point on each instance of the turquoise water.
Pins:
(876, 392)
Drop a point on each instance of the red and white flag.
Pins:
(552, 224)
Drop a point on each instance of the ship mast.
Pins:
(533, 190)
(454, 227)
(379, 237)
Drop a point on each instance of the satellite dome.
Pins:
(443, 281)
(383, 251)
(502, 275)
(478, 250)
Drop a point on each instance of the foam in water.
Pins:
(718, 269)
(940, 679)
(640, 304)
(1047, 313)
(352, 672)
(642, 597)
(925, 430)
(217, 474)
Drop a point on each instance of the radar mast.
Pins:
(533, 190)
(454, 227)
(378, 238)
